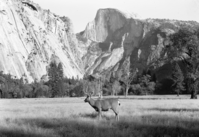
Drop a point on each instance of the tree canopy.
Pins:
(184, 46)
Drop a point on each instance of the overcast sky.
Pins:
(83, 11)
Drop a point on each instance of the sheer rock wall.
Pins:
(30, 37)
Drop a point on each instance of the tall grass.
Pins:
(65, 117)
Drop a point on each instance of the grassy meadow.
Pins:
(147, 116)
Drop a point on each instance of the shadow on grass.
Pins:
(90, 115)
(174, 110)
(142, 126)
(12, 133)
(95, 115)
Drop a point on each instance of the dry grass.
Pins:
(64, 117)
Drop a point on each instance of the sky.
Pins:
(83, 11)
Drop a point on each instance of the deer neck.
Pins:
(92, 102)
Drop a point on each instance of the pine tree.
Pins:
(184, 45)
(178, 79)
(55, 73)
(60, 79)
(52, 78)
(60, 71)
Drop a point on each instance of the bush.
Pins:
(77, 91)
(43, 91)
(144, 87)
(66, 89)
(27, 90)
(136, 88)
(72, 88)
(116, 88)
(151, 87)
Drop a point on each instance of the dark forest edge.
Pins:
(181, 48)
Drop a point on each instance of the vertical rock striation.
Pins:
(30, 37)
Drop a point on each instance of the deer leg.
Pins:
(117, 117)
(100, 114)
(116, 114)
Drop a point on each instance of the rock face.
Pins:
(31, 37)
(116, 37)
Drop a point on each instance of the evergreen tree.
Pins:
(60, 71)
(55, 73)
(52, 78)
(60, 79)
(178, 78)
(184, 45)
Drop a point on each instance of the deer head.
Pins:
(88, 97)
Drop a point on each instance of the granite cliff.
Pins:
(30, 38)
(117, 38)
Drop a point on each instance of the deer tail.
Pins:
(119, 103)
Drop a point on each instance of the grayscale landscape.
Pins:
(119, 74)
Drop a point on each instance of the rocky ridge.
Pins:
(116, 38)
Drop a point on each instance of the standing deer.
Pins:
(104, 105)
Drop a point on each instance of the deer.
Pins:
(104, 105)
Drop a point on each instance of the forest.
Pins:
(181, 51)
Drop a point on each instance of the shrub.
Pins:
(77, 91)
(116, 88)
(144, 86)
(43, 91)
(136, 88)
(27, 90)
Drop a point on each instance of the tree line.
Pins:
(181, 48)
(56, 86)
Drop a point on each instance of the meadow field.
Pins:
(140, 116)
